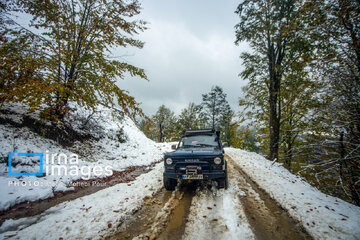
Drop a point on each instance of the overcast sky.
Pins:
(189, 47)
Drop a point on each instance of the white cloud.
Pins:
(182, 64)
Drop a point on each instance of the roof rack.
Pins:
(200, 131)
(204, 130)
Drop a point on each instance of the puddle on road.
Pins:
(267, 219)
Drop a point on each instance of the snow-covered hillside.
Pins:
(117, 144)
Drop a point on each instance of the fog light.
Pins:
(169, 161)
(217, 160)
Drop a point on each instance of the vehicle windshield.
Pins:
(199, 141)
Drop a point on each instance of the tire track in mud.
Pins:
(201, 211)
(267, 219)
(163, 216)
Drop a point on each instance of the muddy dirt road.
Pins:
(201, 211)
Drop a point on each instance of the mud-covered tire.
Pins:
(226, 181)
(222, 183)
(170, 183)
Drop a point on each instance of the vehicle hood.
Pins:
(195, 152)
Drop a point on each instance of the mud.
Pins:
(162, 217)
(143, 219)
(267, 219)
(175, 228)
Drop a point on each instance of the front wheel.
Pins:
(170, 183)
(222, 183)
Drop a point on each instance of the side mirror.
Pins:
(173, 147)
(225, 144)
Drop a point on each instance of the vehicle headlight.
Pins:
(217, 160)
(169, 161)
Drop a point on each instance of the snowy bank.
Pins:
(90, 217)
(117, 144)
(323, 216)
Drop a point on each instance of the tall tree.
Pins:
(273, 31)
(214, 107)
(164, 119)
(75, 42)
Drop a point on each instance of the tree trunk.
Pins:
(274, 103)
(274, 127)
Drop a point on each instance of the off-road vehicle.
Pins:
(199, 155)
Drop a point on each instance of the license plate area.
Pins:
(192, 176)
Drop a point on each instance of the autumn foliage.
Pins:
(64, 54)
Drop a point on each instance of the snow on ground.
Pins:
(89, 217)
(107, 152)
(218, 214)
(323, 216)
